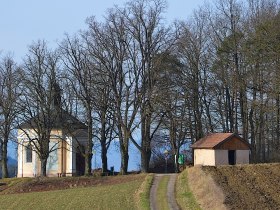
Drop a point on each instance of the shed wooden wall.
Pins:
(242, 156)
(233, 144)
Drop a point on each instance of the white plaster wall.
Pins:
(25, 169)
(221, 157)
(242, 156)
(20, 147)
(204, 157)
(209, 157)
(32, 169)
(73, 154)
(69, 155)
(34, 161)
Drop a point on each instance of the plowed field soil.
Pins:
(249, 186)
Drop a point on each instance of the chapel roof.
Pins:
(63, 120)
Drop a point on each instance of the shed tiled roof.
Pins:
(212, 140)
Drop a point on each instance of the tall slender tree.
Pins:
(81, 72)
(149, 39)
(109, 43)
(9, 94)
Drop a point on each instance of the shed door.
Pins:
(231, 157)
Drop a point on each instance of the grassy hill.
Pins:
(255, 186)
(224, 187)
(120, 192)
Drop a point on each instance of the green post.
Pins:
(181, 159)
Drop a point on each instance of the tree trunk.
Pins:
(243, 112)
(191, 134)
(253, 140)
(260, 139)
(146, 141)
(276, 147)
(4, 160)
(206, 103)
(229, 111)
(177, 169)
(103, 142)
(197, 117)
(124, 160)
(174, 143)
(252, 129)
(104, 156)
(145, 160)
(88, 151)
(43, 167)
(124, 136)
(88, 158)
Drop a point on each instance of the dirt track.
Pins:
(170, 191)
(249, 186)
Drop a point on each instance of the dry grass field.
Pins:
(254, 186)
(206, 192)
(184, 196)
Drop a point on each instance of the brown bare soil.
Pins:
(46, 184)
(255, 186)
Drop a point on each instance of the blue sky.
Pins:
(22, 22)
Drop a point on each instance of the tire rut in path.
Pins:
(153, 192)
(170, 192)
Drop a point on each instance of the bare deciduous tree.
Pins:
(149, 39)
(9, 93)
(40, 100)
(81, 76)
(109, 43)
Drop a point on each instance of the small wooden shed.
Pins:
(221, 149)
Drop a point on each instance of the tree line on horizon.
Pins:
(216, 71)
